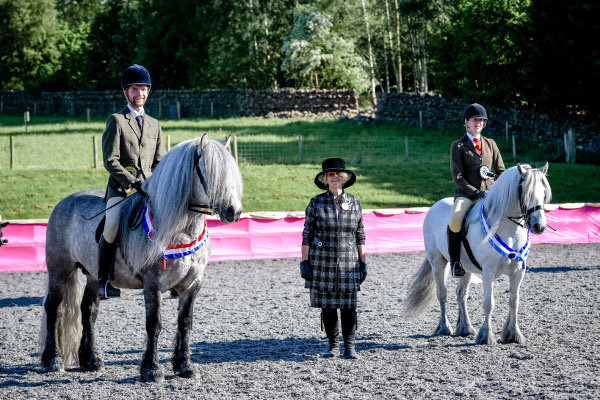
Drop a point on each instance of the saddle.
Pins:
(134, 222)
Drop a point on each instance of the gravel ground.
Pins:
(255, 337)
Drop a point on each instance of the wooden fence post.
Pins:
(235, 151)
(168, 142)
(12, 152)
(420, 119)
(95, 150)
(406, 147)
(212, 109)
(178, 110)
(569, 147)
(300, 148)
(26, 119)
(514, 149)
(506, 124)
(87, 111)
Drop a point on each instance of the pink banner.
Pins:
(387, 231)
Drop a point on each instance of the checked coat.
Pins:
(123, 145)
(333, 253)
(465, 163)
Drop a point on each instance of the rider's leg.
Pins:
(108, 248)
(459, 209)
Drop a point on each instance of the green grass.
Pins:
(54, 159)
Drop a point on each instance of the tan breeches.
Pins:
(111, 225)
(459, 209)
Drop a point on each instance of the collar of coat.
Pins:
(346, 198)
(467, 141)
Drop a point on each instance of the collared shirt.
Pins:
(135, 113)
(472, 137)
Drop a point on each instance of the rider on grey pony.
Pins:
(471, 160)
(132, 147)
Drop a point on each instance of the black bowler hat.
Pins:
(334, 165)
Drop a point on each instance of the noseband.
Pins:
(201, 172)
(525, 212)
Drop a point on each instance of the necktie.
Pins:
(477, 145)
(140, 122)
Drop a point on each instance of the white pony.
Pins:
(498, 233)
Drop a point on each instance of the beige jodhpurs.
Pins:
(459, 209)
(111, 225)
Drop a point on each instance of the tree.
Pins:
(28, 49)
(314, 56)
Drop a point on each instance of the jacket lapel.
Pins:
(469, 144)
(132, 122)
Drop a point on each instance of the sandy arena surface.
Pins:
(255, 337)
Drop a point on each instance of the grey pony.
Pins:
(197, 171)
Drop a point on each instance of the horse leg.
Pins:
(181, 361)
(463, 326)
(486, 333)
(51, 357)
(89, 358)
(150, 370)
(511, 332)
(438, 264)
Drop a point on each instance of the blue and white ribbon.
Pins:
(500, 246)
(174, 250)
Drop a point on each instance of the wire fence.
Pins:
(40, 151)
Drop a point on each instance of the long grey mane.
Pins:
(502, 199)
(171, 190)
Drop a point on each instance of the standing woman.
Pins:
(333, 254)
(471, 160)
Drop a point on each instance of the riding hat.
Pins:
(474, 111)
(135, 75)
(334, 165)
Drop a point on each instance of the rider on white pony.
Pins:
(132, 147)
(471, 160)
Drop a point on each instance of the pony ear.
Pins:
(226, 141)
(521, 169)
(204, 141)
(544, 169)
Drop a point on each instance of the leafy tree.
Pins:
(317, 57)
(477, 55)
(28, 49)
(562, 56)
(75, 12)
(113, 44)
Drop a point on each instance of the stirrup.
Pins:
(107, 291)
(457, 270)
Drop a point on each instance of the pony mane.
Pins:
(503, 200)
(170, 190)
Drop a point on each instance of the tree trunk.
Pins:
(387, 72)
(400, 85)
(391, 42)
(373, 94)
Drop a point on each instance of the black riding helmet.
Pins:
(474, 111)
(135, 75)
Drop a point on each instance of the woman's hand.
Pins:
(362, 269)
(305, 270)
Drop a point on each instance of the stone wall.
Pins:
(439, 112)
(192, 103)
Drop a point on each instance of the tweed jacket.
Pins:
(465, 163)
(123, 145)
(333, 241)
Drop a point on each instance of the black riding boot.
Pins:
(332, 329)
(106, 263)
(454, 243)
(348, 317)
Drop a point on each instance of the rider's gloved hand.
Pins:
(362, 269)
(479, 194)
(137, 185)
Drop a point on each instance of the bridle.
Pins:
(525, 212)
(201, 172)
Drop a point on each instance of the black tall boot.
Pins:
(106, 264)
(332, 329)
(348, 317)
(454, 243)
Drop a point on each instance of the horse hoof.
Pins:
(442, 331)
(518, 339)
(485, 339)
(54, 365)
(153, 375)
(188, 373)
(93, 365)
(464, 331)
